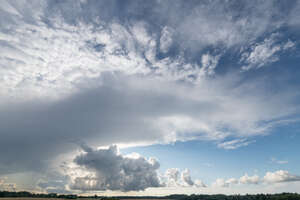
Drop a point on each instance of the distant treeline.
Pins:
(282, 196)
(34, 195)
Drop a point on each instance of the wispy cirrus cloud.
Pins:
(234, 144)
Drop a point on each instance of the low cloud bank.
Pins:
(270, 178)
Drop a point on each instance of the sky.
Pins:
(131, 97)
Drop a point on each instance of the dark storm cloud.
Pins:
(124, 110)
(32, 133)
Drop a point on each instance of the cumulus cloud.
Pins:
(280, 176)
(112, 171)
(249, 179)
(270, 178)
(4, 185)
(220, 182)
(175, 178)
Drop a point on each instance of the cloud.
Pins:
(113, 113)
(280, 176)
(264, 53)
(186, 178)
(175, 178)
(4, 185)
(249, 179)
(270, 178)
(166, 40)
(234, 144)
(209, 63)
(111, 171)
(281, 162)
(220, 182)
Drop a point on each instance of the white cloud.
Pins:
(220, 182)
(274, 160)
(186, 178)
(249, 179)
(4, 185)
(175, 178)
(265, 52)
(166, 39)
(209, 63)
(288, 45)
(280, 176)
(234, 144)
(270, 177)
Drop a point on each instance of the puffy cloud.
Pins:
(249, 179)
(232, 181)
(280, 176)
(220, 182)
(270, 177)
(4, 185)
(112, 171)
(186, 178)
(199, 183)
(175, 178)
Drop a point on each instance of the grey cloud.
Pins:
(129, 110)
(197, 24)
(186, 178)
(113, 171)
